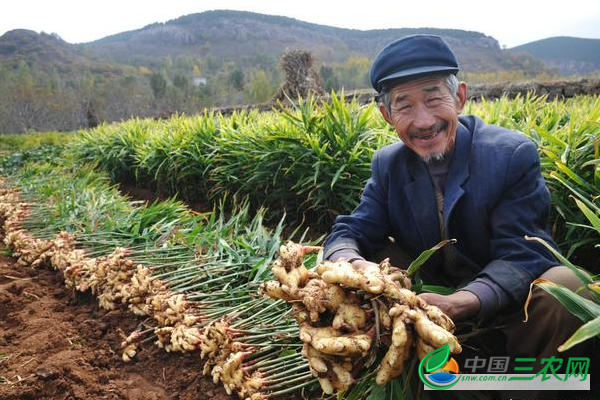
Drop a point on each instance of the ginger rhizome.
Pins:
(345, 314)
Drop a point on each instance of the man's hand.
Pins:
(362, 265)
(458, 306)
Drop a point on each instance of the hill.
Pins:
(213, 58)
(49, 84)
(569, 54)
(49, 52)
(246, 38)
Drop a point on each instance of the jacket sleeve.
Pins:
(364, 230)
(521, 210)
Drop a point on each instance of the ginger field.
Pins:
(109, 296)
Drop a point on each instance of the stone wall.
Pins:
(553, 89)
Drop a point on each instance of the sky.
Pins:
(511, 22)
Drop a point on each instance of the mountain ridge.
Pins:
(233, 34)
(249, 38)
(49, 51)
(243, 37)
(570, 55)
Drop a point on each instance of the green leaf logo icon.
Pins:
(434, 360)
(437, 358)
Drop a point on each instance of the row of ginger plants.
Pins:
(313, 160)
(191, 296)
(199, 283)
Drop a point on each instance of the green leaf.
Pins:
(577, 305)
(396, 390)
(364, 385)
(377, 392)
(337, 175)
(549, 137)
(437, 358)
(587, 331)
(591, 216)
(260, 270)
(424, 256)
(320, 255)
(437, 289)
(582, 197)
(591, 162)
(288, 352)
(576, 178)
(578, 271)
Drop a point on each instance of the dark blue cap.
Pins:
(410, 57)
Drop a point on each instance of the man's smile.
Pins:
(426, 136)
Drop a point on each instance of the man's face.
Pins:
(425, 115)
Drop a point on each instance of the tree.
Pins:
(236, 79)
(25, 105)
(259, 88)
(180, 81)
(196, 71)
(158, 84)
(329, 78)
(354, 73)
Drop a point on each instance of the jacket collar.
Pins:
(458, 172)
(421, 195)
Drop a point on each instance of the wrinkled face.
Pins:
(425, 115)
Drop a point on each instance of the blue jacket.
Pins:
(494, 196)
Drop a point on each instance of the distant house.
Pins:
(199, 81)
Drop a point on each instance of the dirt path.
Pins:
(55, 344)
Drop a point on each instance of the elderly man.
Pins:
(456, 177)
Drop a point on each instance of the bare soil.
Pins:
(58, 344)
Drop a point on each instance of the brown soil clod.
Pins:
(54, 345)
